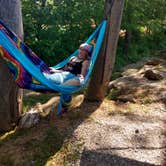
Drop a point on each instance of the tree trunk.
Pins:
(126, 44)
(103, 68)
(10, 94)
(43, 3)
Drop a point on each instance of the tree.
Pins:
(105, 62)
(54, 29)
(10, 95)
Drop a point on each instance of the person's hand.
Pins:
(52, 70)
(80, 76)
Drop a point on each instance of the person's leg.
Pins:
(70, 79)
(65, 78)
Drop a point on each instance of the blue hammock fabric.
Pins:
(27, 68)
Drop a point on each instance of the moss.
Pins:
(115, 75)
(113, 94)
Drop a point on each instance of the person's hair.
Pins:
(87, 47)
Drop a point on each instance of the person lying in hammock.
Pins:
(74, 72)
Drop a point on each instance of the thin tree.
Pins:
(10, 94)
(103, 68)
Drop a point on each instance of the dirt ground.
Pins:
(127, 129)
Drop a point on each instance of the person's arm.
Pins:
(85, 66)
(77, 82)
(53, 70)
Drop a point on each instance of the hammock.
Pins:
(27, 68)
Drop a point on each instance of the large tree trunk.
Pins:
(10, 94)
(103, 68)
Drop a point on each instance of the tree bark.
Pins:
(10, 94)
(127, 42)
(103, 68)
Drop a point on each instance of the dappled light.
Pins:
(46, 139)
(117, 121)
(135, 86)
(117, 131)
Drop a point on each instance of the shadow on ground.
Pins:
(36, 146)
(91, 158)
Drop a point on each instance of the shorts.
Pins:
(61, 77)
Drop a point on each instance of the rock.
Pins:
(126, 98)
(153, 62)
(152, 75)
(29, 119)
(129, 72)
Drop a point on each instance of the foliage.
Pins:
(145, 21)
(54, 29)
(113, 94)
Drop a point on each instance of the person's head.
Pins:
(85, 50)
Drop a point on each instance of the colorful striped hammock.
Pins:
(27, 68)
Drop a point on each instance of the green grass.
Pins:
(6, 160)
(115, 75)
(44, 148)
(37, 150)
(113, 94)
(11, 136)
